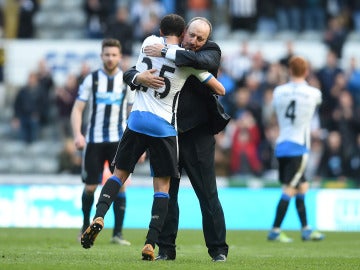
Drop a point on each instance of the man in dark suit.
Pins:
(196, 138)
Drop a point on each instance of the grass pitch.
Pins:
(59, 249)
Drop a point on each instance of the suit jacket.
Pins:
(195, 97)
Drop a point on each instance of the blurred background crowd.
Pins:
(37, 127)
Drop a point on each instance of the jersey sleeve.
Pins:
(171, 53)
(203, 75)
(130, 96)
(151, 40)
(275, 93)
(319, 97)
(85, 89)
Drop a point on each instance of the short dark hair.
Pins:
(111, 42)
(172, 24)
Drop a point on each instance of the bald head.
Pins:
(198, 31)
(202, 21)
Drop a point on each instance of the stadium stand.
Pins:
(68, 25)
(16, 157)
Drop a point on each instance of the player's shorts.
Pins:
(95, 155)
(291, 170)
(162, 151)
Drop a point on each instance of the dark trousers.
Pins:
(196, 153)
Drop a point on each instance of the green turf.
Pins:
(58, 249)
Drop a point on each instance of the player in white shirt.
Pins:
(153, 106)
(295, 104)
(152, 127)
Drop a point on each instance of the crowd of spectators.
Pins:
(334, 19)
(246, 145)
(245, 15)
(140, 18)
(40, 104)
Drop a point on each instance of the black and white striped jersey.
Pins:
(108, 98)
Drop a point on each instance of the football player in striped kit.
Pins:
(109, 102)
(295, 104)
(152, 126)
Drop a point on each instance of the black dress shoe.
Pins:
(164, 257)
(219, 258)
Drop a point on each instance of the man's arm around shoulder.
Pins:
(207, 57)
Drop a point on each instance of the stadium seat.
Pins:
(12, 148)
(22, 166)
(5, 165)
(45, 165)
(51, 5)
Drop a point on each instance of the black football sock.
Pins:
(281, 210)
(107, 196)
(158, 214)
(301, 209)
(87, 200)
(119, 213)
